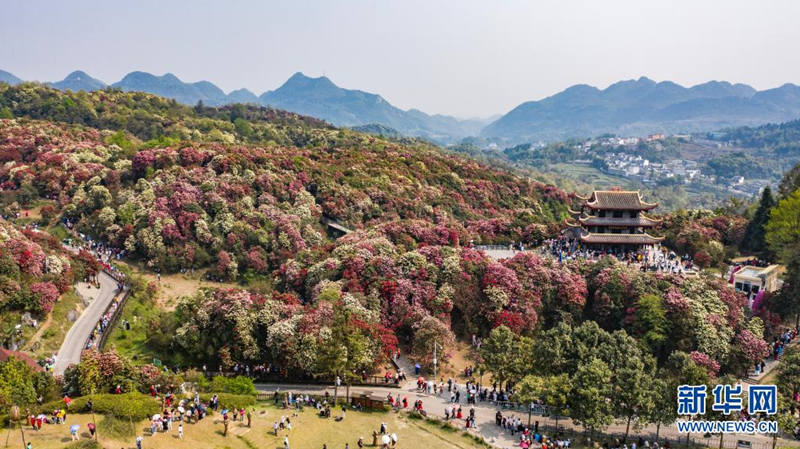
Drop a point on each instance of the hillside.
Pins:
(633, 107)
(291, 169)
(782, 138)
(316, 97)
(244, 194)
(35, 271)
(643, 106)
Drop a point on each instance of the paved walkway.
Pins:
(499, 254)
(485, 414)
(73, 344)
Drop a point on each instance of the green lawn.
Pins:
(308, 431)
(58, 232)
(131, 343)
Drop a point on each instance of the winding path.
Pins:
(73, 344)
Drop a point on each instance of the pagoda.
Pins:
(614, 220)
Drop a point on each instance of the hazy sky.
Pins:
(460, 57)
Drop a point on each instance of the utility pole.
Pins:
(434, 361)
(530, 409)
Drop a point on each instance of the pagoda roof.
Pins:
(573, 212)
(624, 239)
(618, 200)
(625, 221)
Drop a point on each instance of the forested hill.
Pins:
(147, 116)
(136, 162)
(783, 138)
(318, 97)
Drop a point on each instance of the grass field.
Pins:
(308, 431)
(131, 343)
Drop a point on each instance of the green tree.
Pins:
(633, 392)
(505, 354)
(783, 237)
(663, 410)
(786, 301)
(564, 347)
(787, 421)
(120, 139)
(343, 351)
(591, 390)
(790, 182)
(783, 229)
(243, 128)
(429, 330)
(754, 234)
(16, 384)
(650, 323)
(788, 378)
(552, 391)
(681, 370)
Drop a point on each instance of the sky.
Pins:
(468, 58)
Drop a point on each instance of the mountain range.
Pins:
(632, 107)
(643, 106)
(316, 97)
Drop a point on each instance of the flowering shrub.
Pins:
(47, 294)
(34, 271)
(253, 328)
(179, 206)
(101, 372)
(426, 332)
(268, 211)
(752, 347)
(703, 234)
(705, 361)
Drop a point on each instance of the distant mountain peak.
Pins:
(79, 80)
(301, 80)
(9, 78)
(170, 77)
(170, 86)
(77, 76)
(242, 91)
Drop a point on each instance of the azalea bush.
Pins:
(709, 237)
(248, 194)
(35, 270)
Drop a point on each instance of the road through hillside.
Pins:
(70, 351)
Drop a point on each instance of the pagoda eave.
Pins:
(621, 239)
(643, 206)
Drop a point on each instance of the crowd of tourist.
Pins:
(651, 258)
